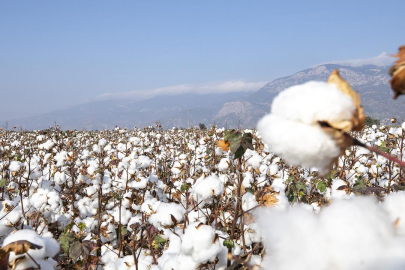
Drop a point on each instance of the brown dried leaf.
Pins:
(20, 247)
(357, 121)
(397, 73)
(223, 145)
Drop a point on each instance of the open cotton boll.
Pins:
(298, 143)
(15, 166)
(248, 201)
(355, 234)
(49, 246)
(162, 217)
(292, 130)
(198, 242)
(207, 188)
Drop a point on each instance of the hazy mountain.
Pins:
(223, 109)
(372, 82)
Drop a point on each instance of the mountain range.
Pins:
(230, 110)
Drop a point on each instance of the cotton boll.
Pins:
(248, 201)
(163, 214)
(198, 243)
(207, 188)
(292, 130)
(253, 159)
(223, 165)
(348, 234)
(298, 143)
(339, 194)
(15, 166)
(49, 246)
(125, 215)
(144, 161)
(252, 234)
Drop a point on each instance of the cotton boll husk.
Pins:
(348, 234)
(298, 143)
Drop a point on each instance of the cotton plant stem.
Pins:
(378, 151)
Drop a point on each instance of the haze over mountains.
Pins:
(224, 109)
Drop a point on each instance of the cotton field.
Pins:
(154, 199)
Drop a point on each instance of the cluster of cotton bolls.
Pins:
(170, 197)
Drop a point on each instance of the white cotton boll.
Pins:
(47, 145)
(170, 261)
(102, 142)
(274, 169)
(139, 183)
(223, 165)
(150, 205)
(110, 232)
(176, 169)
(198, 243)
(125, 215)
(248, 201)
(253, 159)
(163, 214)
(49, 246)
(340, 237)
(298, 143)
(292, 131)
(207, 188)
(199, 216)
(339, 194)
(144, 161)
(252, 234)
(135, 140)
(15, 166)
(29, 264)
(247, 179)
(394, 204)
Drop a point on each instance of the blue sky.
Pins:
(59, 53)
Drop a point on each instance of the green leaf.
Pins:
(301, 186)
(3, 183)
(239, 153)
(124, 231)
(159, 239)
(64, 240)
(81, 226)
(290, 179)
(185, 187)
(322, 185)
(228, 243)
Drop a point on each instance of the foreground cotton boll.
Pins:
(348, 234)
(292, 130)
(47, 248)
